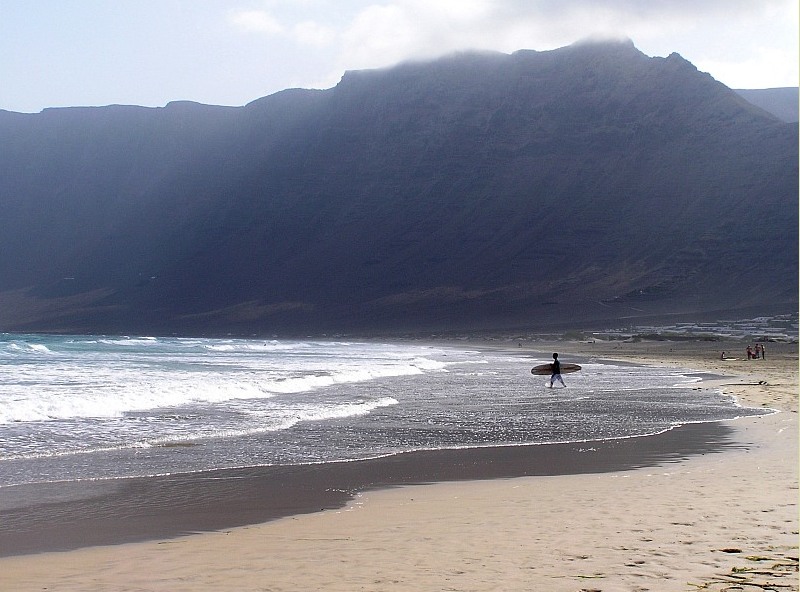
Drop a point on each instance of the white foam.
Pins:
(288, 417)
(91, 381)
(23, 347)
(131, 341)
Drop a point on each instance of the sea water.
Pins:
(93, 407)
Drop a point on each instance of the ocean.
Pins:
(98, 407)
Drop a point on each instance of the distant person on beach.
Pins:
(749, 353)
(555, 373)
(763, 352)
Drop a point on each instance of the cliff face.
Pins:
(478, 190)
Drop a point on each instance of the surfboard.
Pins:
(546, 369)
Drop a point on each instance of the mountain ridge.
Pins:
(477, 190)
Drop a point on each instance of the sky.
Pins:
(59, 53)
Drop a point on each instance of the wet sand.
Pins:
(701, 507)
(120, 511)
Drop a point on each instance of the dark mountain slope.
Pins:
(478, 190)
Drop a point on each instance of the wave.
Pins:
(114, 401)
(255, 346)
(269, 421)
(87, 385)
(130, 341)
(23, 347)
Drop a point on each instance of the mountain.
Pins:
(479, 190)
(781, 102)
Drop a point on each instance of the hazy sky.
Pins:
(57, 53)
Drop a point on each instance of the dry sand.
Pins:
(725, 521)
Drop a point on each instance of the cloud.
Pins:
(751, 73)
(383, 34)
(257, 21)
(313, 33)
(307, 32)
(380, 35)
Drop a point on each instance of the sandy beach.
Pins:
(724, 519)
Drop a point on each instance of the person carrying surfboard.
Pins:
(555, 373)
(547, 370)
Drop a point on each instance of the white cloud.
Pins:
(378, 36)
(384, 34)
(312, 33)
(752, 73)
(307, 32)
(458, 11)
(257, 21)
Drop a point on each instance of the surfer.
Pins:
(555, 373)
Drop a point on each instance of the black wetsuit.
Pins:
(556, 372)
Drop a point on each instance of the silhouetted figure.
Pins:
(556, 372)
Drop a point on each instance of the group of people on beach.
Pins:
(757, 352)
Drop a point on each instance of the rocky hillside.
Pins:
(480, 190)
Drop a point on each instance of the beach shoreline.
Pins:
(152, 508)
(742, 499)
